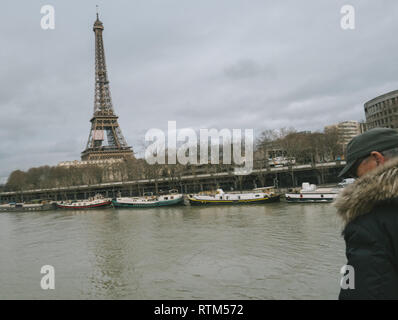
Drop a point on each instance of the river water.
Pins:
(272, 251)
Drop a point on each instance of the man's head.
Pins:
(369, 150)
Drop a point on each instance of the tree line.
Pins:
(303, 147)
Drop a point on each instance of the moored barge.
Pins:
(149, 201)
(261, 195)
(310, 193)
(97, 202)
(26, 207)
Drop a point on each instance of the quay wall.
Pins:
(282, 178)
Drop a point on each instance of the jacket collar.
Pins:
(376, 187)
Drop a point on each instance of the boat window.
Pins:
(166, 198)
(238, 197)
(257, 195)
(171, 197)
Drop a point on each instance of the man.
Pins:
(369, 209)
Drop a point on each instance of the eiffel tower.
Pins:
(112, 145)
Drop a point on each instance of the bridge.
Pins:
(280, 177)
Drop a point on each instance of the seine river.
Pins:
(272, 251)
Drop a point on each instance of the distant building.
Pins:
(346, 130)
(382, 111)
(363, 126)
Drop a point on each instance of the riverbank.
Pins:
(283, 177)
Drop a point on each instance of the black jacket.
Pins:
(369, 208)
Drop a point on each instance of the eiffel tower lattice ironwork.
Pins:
(104, 119)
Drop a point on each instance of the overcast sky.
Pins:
(205, 64)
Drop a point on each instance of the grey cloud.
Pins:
(248, 68)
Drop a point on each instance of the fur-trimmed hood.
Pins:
(378, 186)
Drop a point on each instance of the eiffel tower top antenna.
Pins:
(96, 7)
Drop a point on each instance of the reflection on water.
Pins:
(273, 251)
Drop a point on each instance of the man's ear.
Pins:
(379, 158)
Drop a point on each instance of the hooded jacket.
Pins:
(369, 209)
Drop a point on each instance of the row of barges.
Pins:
(307, 193)
(262, 195)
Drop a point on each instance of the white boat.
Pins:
(310, 193)
(260, 195)
(98, 201)
(149, 200)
